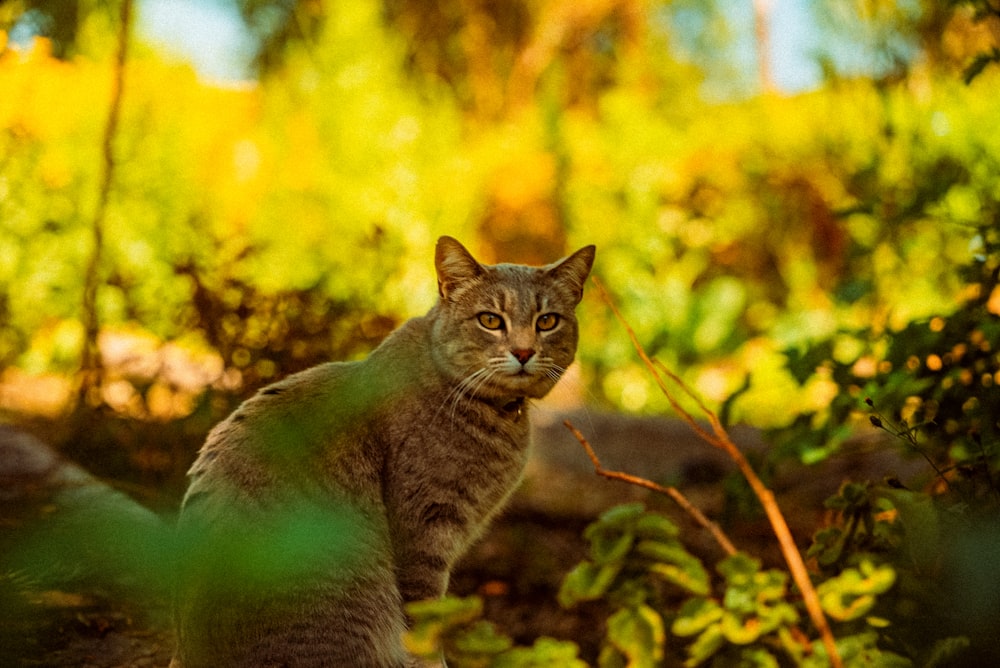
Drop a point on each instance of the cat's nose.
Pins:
(522, 355)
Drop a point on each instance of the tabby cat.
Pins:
(330, 499)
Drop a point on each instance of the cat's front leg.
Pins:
(429, 534)
(422, 574)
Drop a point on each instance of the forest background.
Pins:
(168, 245)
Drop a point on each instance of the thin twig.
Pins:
(719, 438)
(90, 362)
(672, 492)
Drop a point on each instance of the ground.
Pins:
(516, 567)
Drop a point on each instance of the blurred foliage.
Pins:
(750, 617)
(290, 221)
(930, 388)
(661, 594)
(936, 375)
(454, 628)
(813, 264)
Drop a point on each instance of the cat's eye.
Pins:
(490, 321)
(547, 322)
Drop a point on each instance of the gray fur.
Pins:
(333, 497)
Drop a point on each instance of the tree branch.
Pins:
(719, 438)
(90, 361)
(672, 492)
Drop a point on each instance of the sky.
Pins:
(209, 34)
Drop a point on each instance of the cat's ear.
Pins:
(572, 271)
(454, 265)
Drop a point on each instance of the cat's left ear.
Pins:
(454, 265)
(572, 271)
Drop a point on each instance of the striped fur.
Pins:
(333, 497)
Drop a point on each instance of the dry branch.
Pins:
(90, 362)
(672, 492)
(719, 438)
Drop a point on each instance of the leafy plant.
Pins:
(930, 388)
(634, 557)
(751, 616)
(658, 590)
(453, 627)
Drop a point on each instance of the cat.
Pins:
(332, 498)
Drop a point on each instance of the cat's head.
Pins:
(508, 330)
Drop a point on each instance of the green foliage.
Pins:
(929, 387)
(818, 263)
(638, 565)
(811, 215)
(852, 594)
(628, 545)
(661, 596)
(754, 606)
(453, 628)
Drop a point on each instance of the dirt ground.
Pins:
(516, 568)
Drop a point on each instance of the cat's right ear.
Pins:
(454, 265)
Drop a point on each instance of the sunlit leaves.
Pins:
(754, 605)
(587, 582)
(638, 634)
(453, 628)
(852, 594)
(633, 554)
(719, 224)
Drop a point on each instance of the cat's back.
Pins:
(329, 413)
(271, 441)
(274, 558)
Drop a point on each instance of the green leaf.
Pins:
(696, 615)
(656, 527)
(776, 616)
(545, 653)
(450, 610)
(852, 594)
(436, 618)
(609, 657)
(424, 639)
(622, 517)
(587, 582)
(608, 547)
(707, 644)
(757, 657)
(741, 631)
(638, 633)
(481, 639)
(671, 552)
(827, 546)
(676, 565)
(692, 580)
(738, 568)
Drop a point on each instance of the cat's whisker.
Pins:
(472, 388)
(414, 464)
(461, 390)
(550, 369)
(456, 393)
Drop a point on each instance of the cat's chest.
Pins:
(477, 457)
